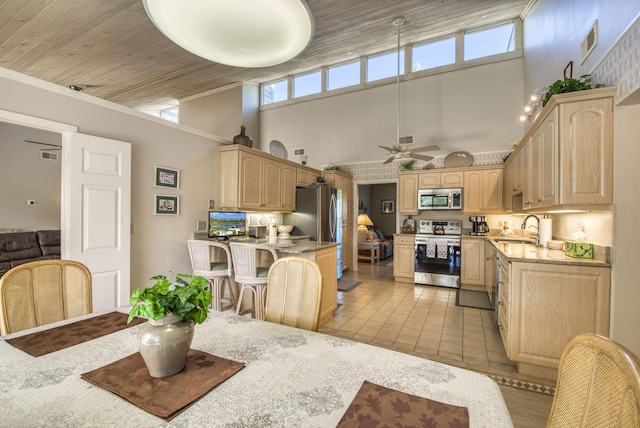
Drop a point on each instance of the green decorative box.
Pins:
(578, 250)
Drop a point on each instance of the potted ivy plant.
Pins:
(173, 307)
(569, 84)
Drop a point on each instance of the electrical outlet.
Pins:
(202, 225)
(298, 152)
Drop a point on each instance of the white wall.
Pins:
(222, 112)
(626, 269)
(158, 243)
(24, 175)
(474, 109)
(553, 31)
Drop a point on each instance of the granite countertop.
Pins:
(517, 251)
(291, 246)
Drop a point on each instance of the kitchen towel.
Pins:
(442, 250)
(545, 231)
(431, 249)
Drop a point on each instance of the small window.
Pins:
(344, 75)
(307, 84)
(170, 114)
(275, 92)
(435, 54)
(490, 41)
(383, 66)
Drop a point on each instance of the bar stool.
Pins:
(218, 273)
(252, 277)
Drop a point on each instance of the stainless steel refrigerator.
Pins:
(318, 214)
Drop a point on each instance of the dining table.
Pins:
(290, 378)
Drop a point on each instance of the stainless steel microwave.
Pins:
(440, 199)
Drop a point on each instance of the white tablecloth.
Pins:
(292, 378)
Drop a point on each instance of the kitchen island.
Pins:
(323, 253)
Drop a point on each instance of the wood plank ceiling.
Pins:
(111, 48)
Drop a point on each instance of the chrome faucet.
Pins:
(524, 226)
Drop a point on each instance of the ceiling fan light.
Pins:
(239, 33)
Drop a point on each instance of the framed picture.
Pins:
(166, 205)
(167, 177)
(388, 206)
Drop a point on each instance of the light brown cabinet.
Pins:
(540, 187)
(344, 182)
(326, 260)
(543, 306)
(567, 153)
(472, 264)
(408, 193)
(513, 181)
(251, 180)
(491, 260)
(482, 192)
(437, 180)
(403, 258)
(305, 177)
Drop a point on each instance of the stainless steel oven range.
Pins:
(437, 252)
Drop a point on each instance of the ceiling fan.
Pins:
(402, 150)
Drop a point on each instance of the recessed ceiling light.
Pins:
(240, 33)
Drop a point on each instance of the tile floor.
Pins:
(425, 321)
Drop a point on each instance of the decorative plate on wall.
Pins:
(278, 149)
(458, 159)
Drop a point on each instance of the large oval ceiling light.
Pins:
(240, 33)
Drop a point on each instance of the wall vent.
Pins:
(589, 43)
(407, 139)
(47, 155)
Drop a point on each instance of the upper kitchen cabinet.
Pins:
(251, 180)
(482, 192)
(513, 181)
(440, 180)
(344, 182)
(567, 154)
(408, 193)
(305, 177)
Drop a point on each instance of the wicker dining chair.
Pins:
(598, 385)
(294, 293)
(218, 272)
(42, 292)
(251, 276)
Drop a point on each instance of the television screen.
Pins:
(224, 224)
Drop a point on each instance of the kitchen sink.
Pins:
(515, 241)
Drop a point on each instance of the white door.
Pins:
(96, 211)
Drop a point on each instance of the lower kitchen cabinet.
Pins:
(472, 264)
(491, 258)
(543, 306)
(403, 257)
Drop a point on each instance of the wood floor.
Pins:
(424, 321)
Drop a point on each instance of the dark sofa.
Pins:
(22, 247)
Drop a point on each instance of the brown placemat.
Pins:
(164, 397)
(55, 339)
(377, 406)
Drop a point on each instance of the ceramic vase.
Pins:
(243, 138)
(164, 344)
